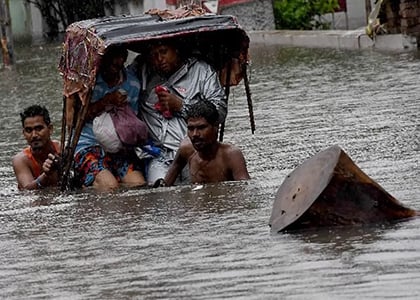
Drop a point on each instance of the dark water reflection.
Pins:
(214, 242)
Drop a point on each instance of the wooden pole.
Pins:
(248, 98)
(72, 139)
(227, 92)
(6, 38)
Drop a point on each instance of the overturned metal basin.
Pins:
(330, 190)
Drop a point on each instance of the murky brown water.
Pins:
(214, 242)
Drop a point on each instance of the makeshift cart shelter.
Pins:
(217, 39)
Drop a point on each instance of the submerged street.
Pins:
(194, 242)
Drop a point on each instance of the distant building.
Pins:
(351, 15)
(27, 19)
(398, 16)
(251, 14)
(259, 14)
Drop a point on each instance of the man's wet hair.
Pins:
(116, 51)
(177, 44)
(34, 111)
(205, 109)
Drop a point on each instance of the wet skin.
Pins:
(203, 136)
(37, 133)
(165, 59)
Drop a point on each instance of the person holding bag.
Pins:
(116, 90)
(172, 80)
(118, 128)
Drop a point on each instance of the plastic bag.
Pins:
(119, 128)
(131, 130)
(104, 130)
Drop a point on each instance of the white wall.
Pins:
(36, 22)
(148, 4)
(27, 19)
(356, 14)
(20, 17)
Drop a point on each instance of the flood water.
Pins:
(215, 242)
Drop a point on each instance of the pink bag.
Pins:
(130, 129)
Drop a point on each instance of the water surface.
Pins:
(214, 242)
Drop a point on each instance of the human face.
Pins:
(37, 133)
(165, 59)
(112, 68)
(202, 134)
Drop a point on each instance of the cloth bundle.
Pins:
(119, 128)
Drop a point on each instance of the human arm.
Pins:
(115, 98)
(201, 82)
(167, 100)
(25, 178)
(50, 167)
(180, 161)
(237, 164)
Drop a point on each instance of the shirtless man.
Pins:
(35, 166)
(171, 81)
(207, 158)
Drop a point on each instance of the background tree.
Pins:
(302, 14)
(58, 14)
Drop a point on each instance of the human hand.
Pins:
(51, 164)
(162, 105)
(116, 98)
(167, 101)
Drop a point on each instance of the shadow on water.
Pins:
(194, 200)
(339, 239)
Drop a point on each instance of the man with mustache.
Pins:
(208, 160)
(36, 166)
(171, 80)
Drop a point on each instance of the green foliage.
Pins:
(300, 14)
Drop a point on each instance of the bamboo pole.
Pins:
(72, 138)
(248, 98)
(6, 38)
(227, 93)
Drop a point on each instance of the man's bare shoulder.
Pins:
(57, 145)
(20, 159)
(230, 149)
(235, 160)
(186, 148)
(18, 156)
